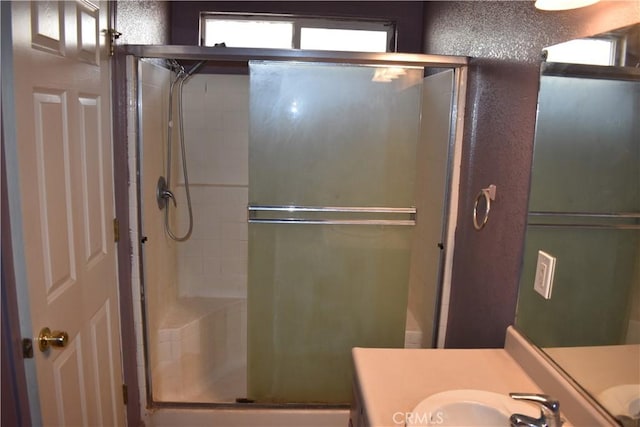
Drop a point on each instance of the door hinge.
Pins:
(112, 36)
(116, 230)
(125, 394)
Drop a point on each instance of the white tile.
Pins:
(199, 194)
(234, 231)
(235, 281)
(213, 120)
(193, 287)
(238, 102)
(219, 338)
(212, 249)
(214, 138)
(195, 132)
(195, 120)
(189, 368)
(235, 139)
(175, 334)
(215, 87)
(192, 247)
(235, 248)
(232, 213)
(200, 160)
(211, 266)
(192, 265)
(233, 266)
(195, 86)
(164, 335)
(191, 342)
(234, 86)
(205, 227)
(232, 196)
(176, 350)
(234, 120)
(164, 351)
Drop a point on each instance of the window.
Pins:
(591, 51)
(339, 39)
(289, 32)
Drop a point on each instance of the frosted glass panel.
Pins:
(587, 155)
(327, 135)
(314, 293)
(332, 135)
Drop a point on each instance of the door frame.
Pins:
(25, 385)
(14, 382)
(128, 340)
(23, 388)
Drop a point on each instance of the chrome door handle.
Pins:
(48, 339)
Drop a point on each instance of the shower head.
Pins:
(196, 68)
(175, 66)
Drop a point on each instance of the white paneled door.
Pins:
(62, 106)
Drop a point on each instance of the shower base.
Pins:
(202, 351)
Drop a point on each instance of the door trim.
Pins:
(11, 210)
(121, 194)
(14, 384)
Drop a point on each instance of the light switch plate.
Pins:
(545, 268)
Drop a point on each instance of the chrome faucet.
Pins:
(163, 194)
(549, 411)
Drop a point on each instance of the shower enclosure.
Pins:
(319, 186)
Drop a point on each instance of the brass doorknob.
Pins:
(48, 339)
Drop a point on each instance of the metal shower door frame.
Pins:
(239, 56)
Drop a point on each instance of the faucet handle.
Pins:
(549, 407)
(544, 400)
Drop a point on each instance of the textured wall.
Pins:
(143, 22)
(407, 14)
(505, 38)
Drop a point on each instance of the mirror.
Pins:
(583, 232)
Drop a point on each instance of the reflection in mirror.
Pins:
(619, 47)
(584, 210)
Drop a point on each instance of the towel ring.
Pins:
(488, 194)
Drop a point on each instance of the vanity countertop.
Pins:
(396, 380)
(390, 383)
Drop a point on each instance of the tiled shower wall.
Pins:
(216, 129)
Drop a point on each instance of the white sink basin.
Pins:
(622, 400)
(467, 408)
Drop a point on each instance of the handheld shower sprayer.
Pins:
(163, 191)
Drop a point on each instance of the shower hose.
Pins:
(177, 83)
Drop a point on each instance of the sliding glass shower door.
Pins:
(331, 194)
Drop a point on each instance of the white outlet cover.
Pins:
(545, 269)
